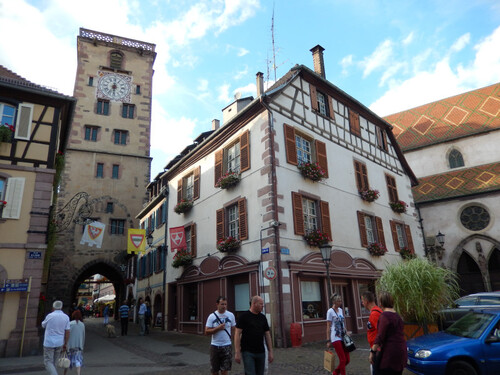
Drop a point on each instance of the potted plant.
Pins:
(376, 249)
(182, 258)
(398, 206)
(369, 195)
(406, 254)
(2, 205)
(228, 180)
(6, 133)
(312, 171)
(420, 289)
(228, 244)
(183, 206)
(316, 238)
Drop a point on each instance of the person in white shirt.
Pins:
(220, 324)
(76, 341)
(56, 336)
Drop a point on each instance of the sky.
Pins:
(389, 55)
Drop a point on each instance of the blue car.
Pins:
(470, 346)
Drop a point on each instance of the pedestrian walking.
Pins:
(142, 317)
(56, 336)
(368, 300)
(251, 329)
(124, 311)
(105, 314)
(220, 324)
(388, 353)
(335, 331)
(76, 341)
(147, 317)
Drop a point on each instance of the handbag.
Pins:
(349, 343)
(63, 361)
(329, 361)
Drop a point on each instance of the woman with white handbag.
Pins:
(335, 331)
(76, 341)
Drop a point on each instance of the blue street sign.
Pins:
(35, 255)
(285, 251)
(20, 285)
(265, 250)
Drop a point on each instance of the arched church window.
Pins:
(475, 218)
(116, 60)
(455, 159)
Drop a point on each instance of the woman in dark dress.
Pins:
(388, 353)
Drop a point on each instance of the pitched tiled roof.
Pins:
(470, 113)
(458, 183)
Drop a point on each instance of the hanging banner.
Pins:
(93, 234)
(177, 238)
(136, 241)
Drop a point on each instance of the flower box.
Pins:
(183, 206)
(312, 171)
(406, 254)
(399, 206)
(182, 259)
(377, 249)
(2, 205)
(228, 244)
(316, 238)
(6, 133)
(369, 195)
(228, 180)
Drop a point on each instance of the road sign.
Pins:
(15, 285)
(270, 273)
(265, 250)
(285, 251)
(35, 255)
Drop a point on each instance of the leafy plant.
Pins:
(182, 258)
(228, 244)
(377, 249)
(228, 180)
(406, 254)
(6, 133)
(399, 206)
(419, 289)
(316, 238)
(183, 206)
(369, 195)
(312, 171)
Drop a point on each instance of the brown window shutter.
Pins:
(409, 239)
(193, 239)
(245, 151)
(321, 155)
(196, 190)
(325, 218)
(179, 190)
(358, 174)
(291, 149)
(218, 166)
(219, 217)
(394, 233)
(330, 107)
(298, 216)
(362, 229)
(364, 174)
(314, 98)
(243, 220)
(354, 123)
(380, 230)
(391, 188)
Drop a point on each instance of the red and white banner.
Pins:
(177, 238)
(93, 234)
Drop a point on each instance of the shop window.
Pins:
(232, 221)
(188, 187)
(310, 214)
(312, 304)
(301, 148)
(401, 236)
(233, 158)
(190, 309)
(370, 229)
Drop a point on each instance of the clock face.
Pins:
(114, 86)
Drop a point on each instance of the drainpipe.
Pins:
(274, 201)
(421, 221)
(165, 248)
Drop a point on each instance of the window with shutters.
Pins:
(361, 175)
(232, 221)
(12, 190)
(455, 159)
(381, 138)
(233, 158)
(309, 214)
(91, 133)
(20, 117)
(301, 149)
(401, 236)
(190, 233)
(370, 229)
(354, 125)
(188, 187)
(391, 188)
(116, 59)
(321, 103)
(3, 185)
(7, 114)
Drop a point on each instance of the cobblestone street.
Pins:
(176, 353)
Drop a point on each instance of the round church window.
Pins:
(475, 218)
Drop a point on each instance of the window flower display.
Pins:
(406, 254)
(228, 180)
(183, 206)
(182, 258)
(399, 206)
(369, 195)
(312, 171)
(316, 238)
(6, 133)
(228, 244)
(377, 249)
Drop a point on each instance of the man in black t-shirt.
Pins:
(251, 329)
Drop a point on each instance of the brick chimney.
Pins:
(319, 64)
(260, 83)
(215, 124)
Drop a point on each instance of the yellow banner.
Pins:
(136, 240)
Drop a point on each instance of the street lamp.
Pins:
(433, 250)
(326, 253)
(440, 238)
(149, 239)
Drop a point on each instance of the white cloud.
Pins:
(241, 73)
(223, 91)
(379, 58)
(242, 52)
(345, 63)
(248, 90)
(236, 12)
(406, 41)
(391, 71)
(460, 43)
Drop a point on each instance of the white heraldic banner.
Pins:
(93, 234)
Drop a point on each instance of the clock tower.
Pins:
(107, 164)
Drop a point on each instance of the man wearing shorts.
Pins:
(220, 324)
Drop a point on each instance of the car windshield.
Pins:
(471, 325)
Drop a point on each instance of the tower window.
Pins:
(116, 59)
(455, 159)
(102, 107)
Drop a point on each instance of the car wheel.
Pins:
(461, 368)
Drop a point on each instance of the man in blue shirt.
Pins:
(123, 310)
(142, 316)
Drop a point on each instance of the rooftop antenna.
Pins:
(274, 50)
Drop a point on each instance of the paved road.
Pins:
(176, 353)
